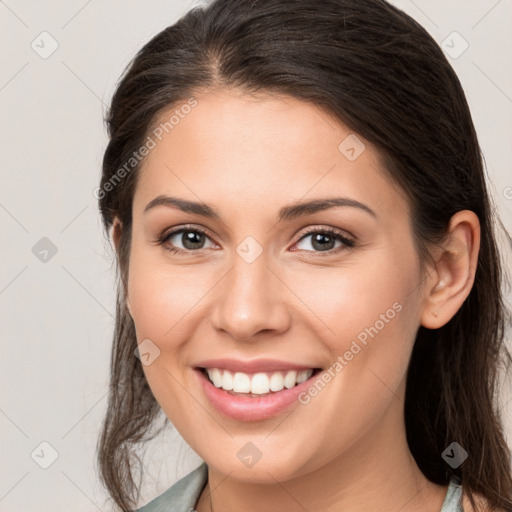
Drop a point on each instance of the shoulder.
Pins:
(183, 495)
(482, 503)
(457, 500)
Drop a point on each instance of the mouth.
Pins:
(257, 384)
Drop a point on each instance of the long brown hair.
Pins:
(381, 74)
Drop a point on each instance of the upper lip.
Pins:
(254, 366)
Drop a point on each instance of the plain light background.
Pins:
(57, 315)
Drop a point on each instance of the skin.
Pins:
(246, 157)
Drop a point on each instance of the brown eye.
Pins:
(189, 239)
(324, 240)
(192, 239)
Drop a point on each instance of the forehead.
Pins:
(243, 151)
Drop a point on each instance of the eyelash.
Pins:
(348, 243)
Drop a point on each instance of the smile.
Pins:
(254, 395)
(261, 383)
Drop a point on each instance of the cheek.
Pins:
(162, 300)
(166, 300)
(149, 300)
(346, 301)
(154, 293)
(365, 314)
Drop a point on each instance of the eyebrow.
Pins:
(289, 212)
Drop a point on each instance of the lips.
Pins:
(253, 406)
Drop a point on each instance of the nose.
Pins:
(251, 300)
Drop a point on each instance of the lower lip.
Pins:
(245, 408)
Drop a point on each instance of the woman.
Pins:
(310, 279)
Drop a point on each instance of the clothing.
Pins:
(184, 494)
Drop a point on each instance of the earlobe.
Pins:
(454, 271)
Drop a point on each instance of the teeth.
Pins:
(241, 383)
(216, 377)
(258, 383)
(226, 381)
(290, 379)
(303, 376)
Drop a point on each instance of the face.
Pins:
(265, 289)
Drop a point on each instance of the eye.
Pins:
(192, 239)
(324, 240)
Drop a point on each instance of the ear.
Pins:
(117, 229)
(453, 276)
